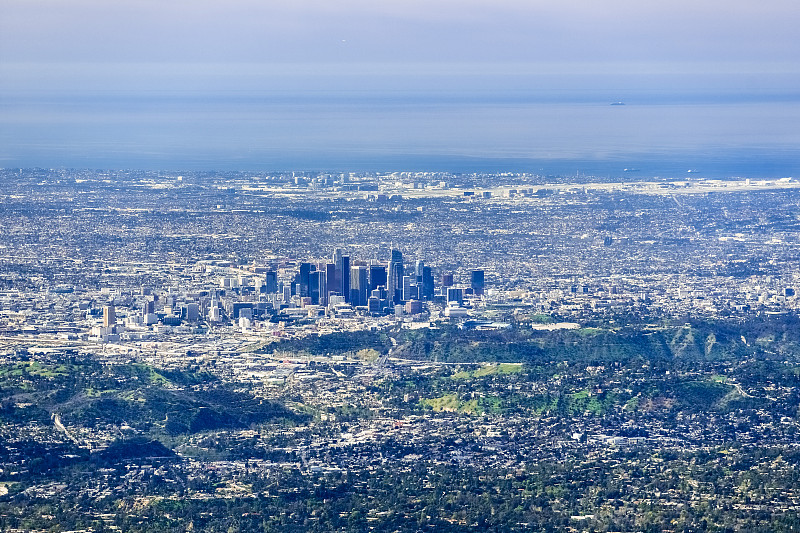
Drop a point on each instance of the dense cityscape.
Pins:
(308, 351)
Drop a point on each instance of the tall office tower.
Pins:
(447, 280)
(148, 308)
(345, 286)
(354, 301)
(377, 276)
(313, 287)
(271, 282)
(304, 281)
(359, 286)
(477, 282)
(395, 286)
(214, 314)
(427, 283)
(330, 280)
(414, 292)
(418, 268)
(407, 288)
(336, 281)
(323, 286)
(109, 316)
(192, 312)
(455, 295)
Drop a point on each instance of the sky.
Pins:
(387, 49)
(200, 44)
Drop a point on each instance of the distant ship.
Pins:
(630, 170)
(617, 103)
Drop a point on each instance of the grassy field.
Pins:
(474, 406)
(488, 370)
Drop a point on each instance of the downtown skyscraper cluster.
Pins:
(377, 286)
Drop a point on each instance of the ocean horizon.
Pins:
(654, 134)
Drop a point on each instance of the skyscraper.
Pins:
(323, 286)
(395, 274)
(313, 287)
(455, 294)
(337, 256)
(271, 282)
(377, 277)
(427, 283)
(477, 282)
(335, 282)
(330, 281)
(192, 312)
(418, 268)
(149, 307)
(406, 287)
(305, 272)
(345, 286)
(359, 285)
(447, 279)
(109, 316)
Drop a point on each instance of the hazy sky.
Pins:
(200, 44)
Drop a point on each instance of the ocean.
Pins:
(654, 133)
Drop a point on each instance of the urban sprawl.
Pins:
(405, 351)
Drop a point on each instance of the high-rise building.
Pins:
(322, 286)
(359, 285)
(192, 312)
(313, 287)
(455, 294)
(214, 314)
(447, 279)
(271, 282)
(419, 266)
(416, 292)
(395, 286)
(109, 316)
(148, 308)
(330, 280)
(377, 276)
(304, 281)
(335, 282)
(427, 283)
(477, 282)
(407, 284)
(345, 272)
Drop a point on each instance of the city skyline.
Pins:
(167, 353)
(458, 266)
